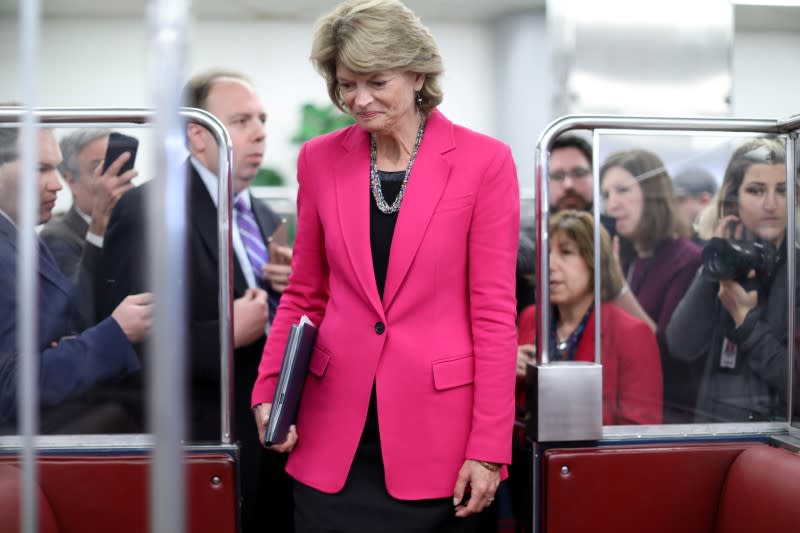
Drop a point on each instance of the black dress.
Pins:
(364, 505)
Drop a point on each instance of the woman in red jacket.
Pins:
(632, 387)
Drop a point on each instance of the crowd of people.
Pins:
(409, 258)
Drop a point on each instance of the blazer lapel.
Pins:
(353, 202)
(425, 186)
(203, 217)
(48, 268)
(77, 224)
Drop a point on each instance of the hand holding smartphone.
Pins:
(118, 144)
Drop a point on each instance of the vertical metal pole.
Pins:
(791, 260)
(598, 249)
(224, 201)
(542, 245)
(167, 237)
(27, 272)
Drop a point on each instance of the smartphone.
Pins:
(280, 237)
(118, 144)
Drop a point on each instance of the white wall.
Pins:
(497, 78)
(766, 77)
(103, 62)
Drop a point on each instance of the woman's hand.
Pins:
(526, 353)
(729, 227)
(736, 300)
(261, 413)
(483, 484)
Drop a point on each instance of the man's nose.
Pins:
(53, 183)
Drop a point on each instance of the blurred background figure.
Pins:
(732, 321)
(694, 190)
(74, 357)
(655, 253)
(76, 237)
(259, 275)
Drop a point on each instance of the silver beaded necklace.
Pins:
(375, 181)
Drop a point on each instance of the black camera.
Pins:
(731, 259)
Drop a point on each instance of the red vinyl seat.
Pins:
(705, 488)
(106, 492)
(10, 498)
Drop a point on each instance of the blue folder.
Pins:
(294, 367)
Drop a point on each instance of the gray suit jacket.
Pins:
(77, 259)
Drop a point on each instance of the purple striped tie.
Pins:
(251, 238)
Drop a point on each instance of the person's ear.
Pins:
(419, 81)
(196, 136)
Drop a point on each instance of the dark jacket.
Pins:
(123, 271)
(755, 388)
(78, 363)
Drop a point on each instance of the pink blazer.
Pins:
(440, 346)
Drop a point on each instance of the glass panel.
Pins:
(674, 203)
(90, 374)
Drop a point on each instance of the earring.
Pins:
(419, 98)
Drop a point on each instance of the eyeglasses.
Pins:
(574, 173)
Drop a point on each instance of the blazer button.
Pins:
(380, 328)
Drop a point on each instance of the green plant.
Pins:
(318, 120)
(268, 176)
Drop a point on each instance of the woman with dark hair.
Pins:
(655, 253)
(736, 328)
(631, 367)
(405, 254)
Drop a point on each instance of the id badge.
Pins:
(728, 356)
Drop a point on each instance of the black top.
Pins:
(381, 231)
(381, 226)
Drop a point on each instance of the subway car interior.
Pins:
(673, 124)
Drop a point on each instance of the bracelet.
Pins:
(492, 467)
(624, 290)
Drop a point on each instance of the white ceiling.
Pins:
(747, 17)
(428, 10)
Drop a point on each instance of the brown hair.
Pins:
(755, 151)
(578, 226)
(660, 219)
(196, 90)
(368, 36)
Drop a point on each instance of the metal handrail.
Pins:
(655, 124)
(593, 122)
(141, 116)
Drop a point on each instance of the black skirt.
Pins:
(364, 505)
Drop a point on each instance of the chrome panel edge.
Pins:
(791, 281)
(569, 405)
(693, 430)
(787, 442)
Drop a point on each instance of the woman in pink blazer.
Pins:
(404, 257)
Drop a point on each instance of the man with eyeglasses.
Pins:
(570, 174)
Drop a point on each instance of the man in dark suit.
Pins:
(76, 237)
(257, 283)
(72, 359)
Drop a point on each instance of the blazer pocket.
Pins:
(319, 361)
(454, 204)
(453, 372)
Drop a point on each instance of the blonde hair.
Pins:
(368, 36)
(578, 226)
